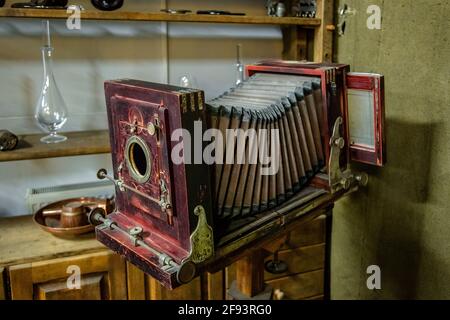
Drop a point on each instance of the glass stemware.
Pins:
(239, 66)
(188, 81)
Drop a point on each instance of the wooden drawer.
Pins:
(300, 286)
(300, 260)
(304, 254)
(307, 234)
(319, 297)
(103, 277)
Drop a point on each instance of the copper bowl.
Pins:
(48, 217)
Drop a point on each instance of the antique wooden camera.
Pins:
(281, 144)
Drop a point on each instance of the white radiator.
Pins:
(37, 198)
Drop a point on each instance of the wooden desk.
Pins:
(22, 241)
(36, 265)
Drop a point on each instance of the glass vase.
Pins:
(51, 111)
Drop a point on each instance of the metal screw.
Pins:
(151, 128)
(136, 231)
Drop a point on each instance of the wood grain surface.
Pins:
(77, 143)
(159, 16)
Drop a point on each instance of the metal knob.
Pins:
(362, 178)
(346, 183)
(339, 142)
(136, 235)
(96, 216)
(276, 266)
(136, 231)
(102, 174)
(186, 272)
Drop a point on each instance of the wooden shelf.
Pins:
(158, 16)
(78, 143)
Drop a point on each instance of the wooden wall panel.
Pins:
(323, 38)
(2, 284)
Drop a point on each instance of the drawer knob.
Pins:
(276, 266)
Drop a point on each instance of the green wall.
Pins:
(401, 222)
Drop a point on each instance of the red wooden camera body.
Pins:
(164, 219)
(154, 193)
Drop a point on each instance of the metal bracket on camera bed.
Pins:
(341, 179)
(185, 271)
